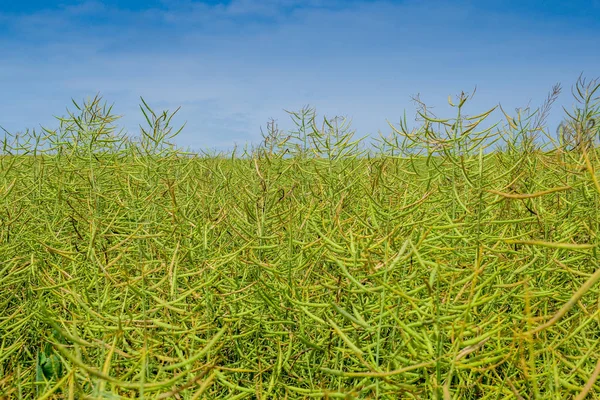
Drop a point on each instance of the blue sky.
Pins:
(232, 65)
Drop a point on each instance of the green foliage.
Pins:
(437, 267)
(581, 128)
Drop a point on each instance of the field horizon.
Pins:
(456, 262)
